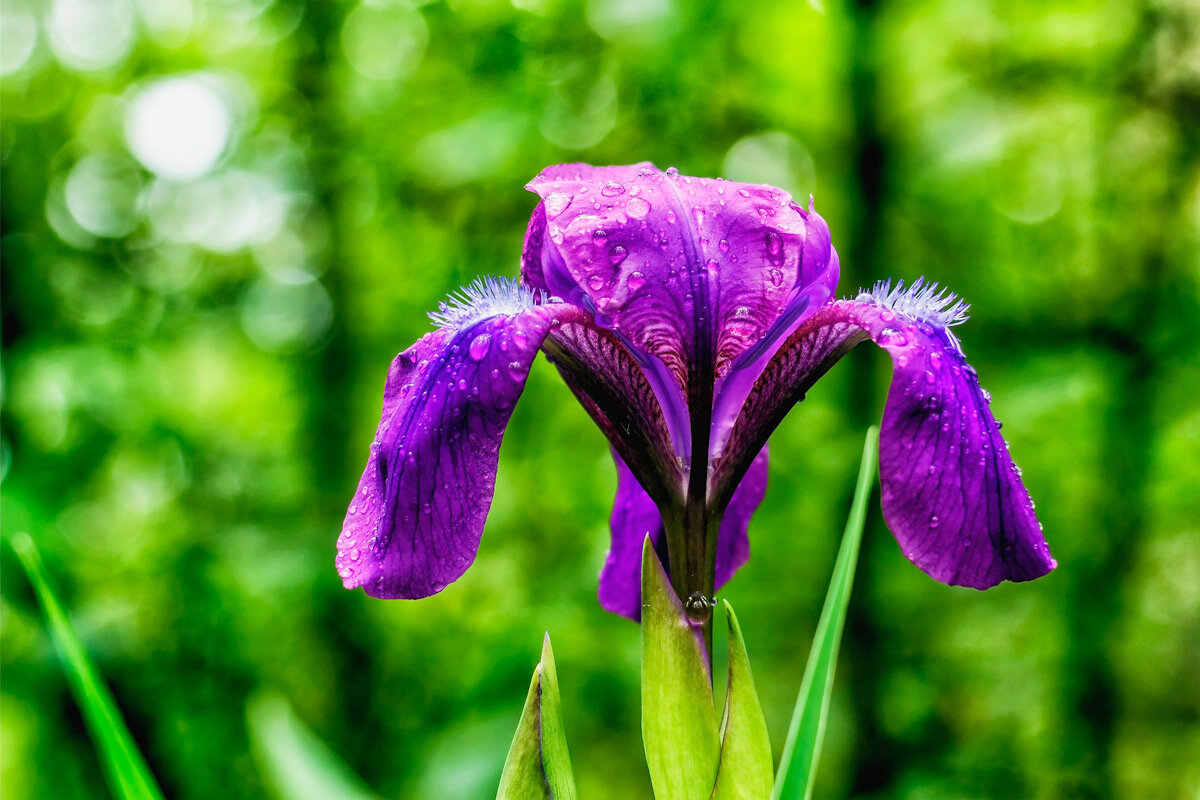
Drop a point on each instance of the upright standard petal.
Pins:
(415, 522)
(952, 495)
(691, 270)
(635, 516)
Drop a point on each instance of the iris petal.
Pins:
(691, 270)
(952, 495)
(636, 516)
(416, 519)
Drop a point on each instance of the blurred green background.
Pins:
(221, 219)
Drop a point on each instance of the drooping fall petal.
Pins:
(952, 495)
(415, 522)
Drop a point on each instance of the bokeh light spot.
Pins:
(384, 43)
(772, 157)
(18, 37)
(103, 194)
(91, 35)
(178, 127)
(286, 317)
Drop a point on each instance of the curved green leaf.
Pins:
(679, 720)
(538, 764)
(128, 776)
(746, 771)
(798, 767)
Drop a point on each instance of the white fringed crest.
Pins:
(922, 301)
(483, 298)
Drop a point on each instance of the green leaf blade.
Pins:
(124, 766)
(797, 768)
(679, 721)
(539, 764)
(746, 771)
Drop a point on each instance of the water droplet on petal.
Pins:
(617, 254)
(887, 315)
(636, 281)
(890, 337)
(612, 189)
(776, 278)
(743, 192)
(724, 245)
(517, 371)
(934, 522)
(599, 235)
(462, 384)
(479, 346)
(354, 554)
(596, 282)
(671, 217)
(935, 360)
(774, 243)
(637, 208)
(520, 339)
(930, 377)
(557, 203)
(672, 171)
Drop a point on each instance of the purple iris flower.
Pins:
(688, 316)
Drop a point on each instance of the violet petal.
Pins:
(415, 522)
(635, 516)
(691, 270)
(951, 493)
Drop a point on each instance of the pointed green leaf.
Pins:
(798, 767)
(538, 764)
(679, 721)
(295, 763)
(124, 767)
(746, 771)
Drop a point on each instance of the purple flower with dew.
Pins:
(687, 315)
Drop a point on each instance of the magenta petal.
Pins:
(733, 540)
(635, 516)
(415, 522)
(952, 495)
(691, 270)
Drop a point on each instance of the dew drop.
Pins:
(557, 203)
(599, 236)
(902, 361)
(617, 254)
(724, 245)
(776, 278)
(887, 315)
(934, 522)
(636, 281)
(935, 360)
(612, 189)
(699, 608)
(743, 192)
(462, 384)
(479, 346)
(637, 208)
(354, 554)
(892, 337)
(672, 171)
(930, 377)
(774, 243)
(596, 282)
(520, 339)
(671, 217)
(517, 371)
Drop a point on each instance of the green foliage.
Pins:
(294, 762)
(192, 372)
(746, 771)
(538, 764)
(802, 751)
(128, 776)
(679, 719)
